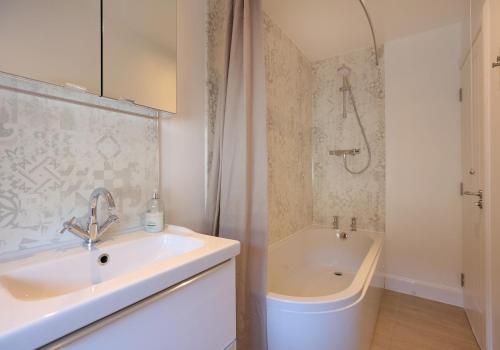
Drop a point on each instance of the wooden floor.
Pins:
(409, 323)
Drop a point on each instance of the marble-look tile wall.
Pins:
(289, 128)
(53, 153)
(217, 23)
(337, 192)
(307, 185)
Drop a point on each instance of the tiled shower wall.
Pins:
(304, 111)
(337, 192)
(306, 185)
(217, 21)
(53, 153)
(289, 126)
(289, 119)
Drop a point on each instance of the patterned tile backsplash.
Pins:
(336, 192)
(54, 152)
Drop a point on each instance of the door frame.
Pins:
(492, 173)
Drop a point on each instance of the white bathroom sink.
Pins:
(51, 294)
(83, 269)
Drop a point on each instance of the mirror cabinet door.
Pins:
(55, 41)
(139, 52)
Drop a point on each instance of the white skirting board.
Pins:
(231, 346)
(426, 290)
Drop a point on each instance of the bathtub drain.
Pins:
(338, 273)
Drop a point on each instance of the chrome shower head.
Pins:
(344, 71)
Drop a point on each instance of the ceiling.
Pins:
(326, 28)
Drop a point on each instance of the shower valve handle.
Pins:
(345, 152)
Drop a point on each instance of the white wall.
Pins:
(423, 221)
(183, 136)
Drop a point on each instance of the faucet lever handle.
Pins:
(68, 224)
(112, 219)
(335, 222)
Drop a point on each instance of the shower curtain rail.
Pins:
(365, 9)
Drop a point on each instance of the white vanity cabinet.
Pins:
(169, 290)
(196, 314)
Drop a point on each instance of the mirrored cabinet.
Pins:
(120, 49)
(139, 52)
(55, 41)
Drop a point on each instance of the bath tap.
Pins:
(335, 223)
(93, 231)
(353, 224)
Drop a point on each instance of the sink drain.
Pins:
(103, 259)
(338, 273)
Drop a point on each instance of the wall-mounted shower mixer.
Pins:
(347, 94)
(345, 152)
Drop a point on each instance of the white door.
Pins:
(473, 182)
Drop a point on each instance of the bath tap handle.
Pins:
(335, 222)
(353, 224)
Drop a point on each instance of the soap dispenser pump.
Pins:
(154, 217)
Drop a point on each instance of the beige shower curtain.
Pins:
(237, 189)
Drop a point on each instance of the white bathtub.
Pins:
(309, 306)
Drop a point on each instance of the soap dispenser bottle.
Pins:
(153, 219)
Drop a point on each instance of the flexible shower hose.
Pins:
(351, 95)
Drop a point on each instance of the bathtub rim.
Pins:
(343, 298)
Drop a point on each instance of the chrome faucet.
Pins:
(353, 224)
(335, 223)
(340, 234)
(93, 231)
